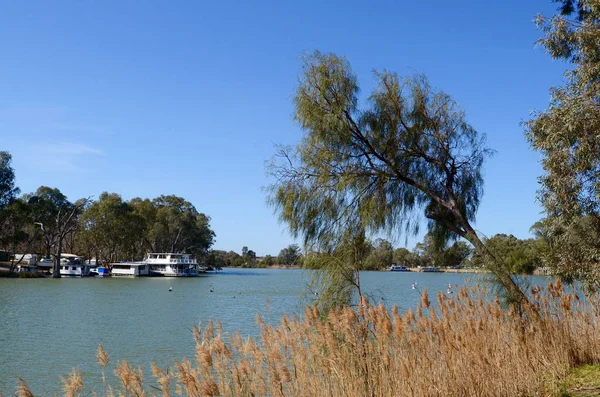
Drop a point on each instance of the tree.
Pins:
(410, 152)
(268, 260)
(518, 256)
(248, 257)
(216, 259)
(430, 252)
(336, 278)
(172, 224)
(16, 228)
(457, 254)
(10, 213)
(57, 218)
(380, 256)
(404, 257)
(567, 133)
(289, 255)
(233, 259)
(110, 229)
(8, 191)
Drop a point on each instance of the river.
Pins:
(49, 326)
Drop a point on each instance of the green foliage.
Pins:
(403, 257)
(410, 150)
(268, 261)
(114, 230)
(15, 224)
(172, 224)
(518, 256)
(215, 259)
(566, 134)
(575, 251)
(110, 229)
(583, 381)
(457, 255)
(430, 253)
(8, 191)
(225, 259)
(57, 218)
(380, 256)
(290, 255)
(336, 281)
(409, 153)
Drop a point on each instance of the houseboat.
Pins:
(129, 269)
(398, 268)
(45, 265)
(73, 266)
(172, 265)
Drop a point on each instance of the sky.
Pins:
(190, 97)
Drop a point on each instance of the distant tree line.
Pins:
(289, 256)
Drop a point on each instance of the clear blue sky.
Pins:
(188, 98)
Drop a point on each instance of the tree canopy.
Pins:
(8, 191)
(567, 133)
(409, 153)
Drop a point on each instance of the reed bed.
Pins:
(466, 346)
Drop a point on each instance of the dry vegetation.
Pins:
(467, 346)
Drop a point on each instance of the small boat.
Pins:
(102, 271)
(45, 264)
(398, 268)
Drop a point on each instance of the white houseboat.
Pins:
(172, 265)
(398, 268)
(45, 264)
(129, 269)
(72, 266)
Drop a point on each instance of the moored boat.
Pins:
(129, 269)
(102, 271)
(73, 266)
(430, 269)
(398, 268)
(172, 265)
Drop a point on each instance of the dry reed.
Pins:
(466, 346)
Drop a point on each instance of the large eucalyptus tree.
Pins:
(567, 134)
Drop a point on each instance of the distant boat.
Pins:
(398, 268)
(431, 269)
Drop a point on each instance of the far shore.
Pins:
(5, 267)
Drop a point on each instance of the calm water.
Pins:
(49, 326)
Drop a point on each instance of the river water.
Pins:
(49, 326)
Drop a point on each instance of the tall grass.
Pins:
(466, 346)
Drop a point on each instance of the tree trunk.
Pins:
(514, 294)
(56, 269)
